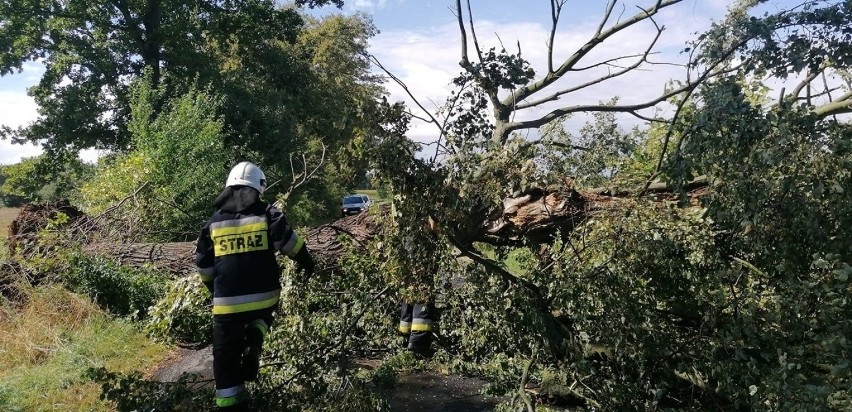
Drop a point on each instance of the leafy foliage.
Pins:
(130, 392)
(99, 48)
(33, 180)
(120, 290)
(183, 314)
(283, 84)
(173, 173)
(808, 37)
(735, 301)
(310, 97)
(782, 202)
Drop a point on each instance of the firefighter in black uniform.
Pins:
(417, 312)
(236, 260)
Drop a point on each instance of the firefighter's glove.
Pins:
(304, 264)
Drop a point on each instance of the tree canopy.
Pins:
(636, 301)
(93, 51)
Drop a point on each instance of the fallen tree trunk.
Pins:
(538, 215)
(534, 216)
(327, 242)
(174, 257)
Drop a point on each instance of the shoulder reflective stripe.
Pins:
(232, 391)
(297, 247)
(238, 222)
(254, 297)
(244, 307)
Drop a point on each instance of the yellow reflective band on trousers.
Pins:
(240, 235)
(231, 396)
(245, 303)
(405, 327)
(421, 325)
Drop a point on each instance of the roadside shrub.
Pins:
(121, 290)
(183, 315)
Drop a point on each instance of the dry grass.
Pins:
(7, 215)
(47, 345)
(31, 333)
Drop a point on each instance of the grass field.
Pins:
(48, 344)
(374, 196)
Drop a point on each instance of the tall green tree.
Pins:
(310, 97)
(172, 174)
(25, 181)
(92, 51)
(737, 302)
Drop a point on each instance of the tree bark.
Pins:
(327, 242)
(534, 217)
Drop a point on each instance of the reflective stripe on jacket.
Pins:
(235, 256)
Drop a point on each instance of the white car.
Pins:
(354, 204)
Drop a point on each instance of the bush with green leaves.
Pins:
(122, 290)
(183, 315)
(42, 178)
(174, 171)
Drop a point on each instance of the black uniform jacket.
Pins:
(235, 253)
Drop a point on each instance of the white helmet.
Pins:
(247, 174)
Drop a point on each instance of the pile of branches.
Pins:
(33, 218)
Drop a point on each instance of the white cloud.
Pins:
(368, 4)
(427, 61)
(10, 153)
(16, 109)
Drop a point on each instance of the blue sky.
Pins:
(419, 43)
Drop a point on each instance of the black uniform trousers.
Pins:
(229, 341)
(415, 324)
